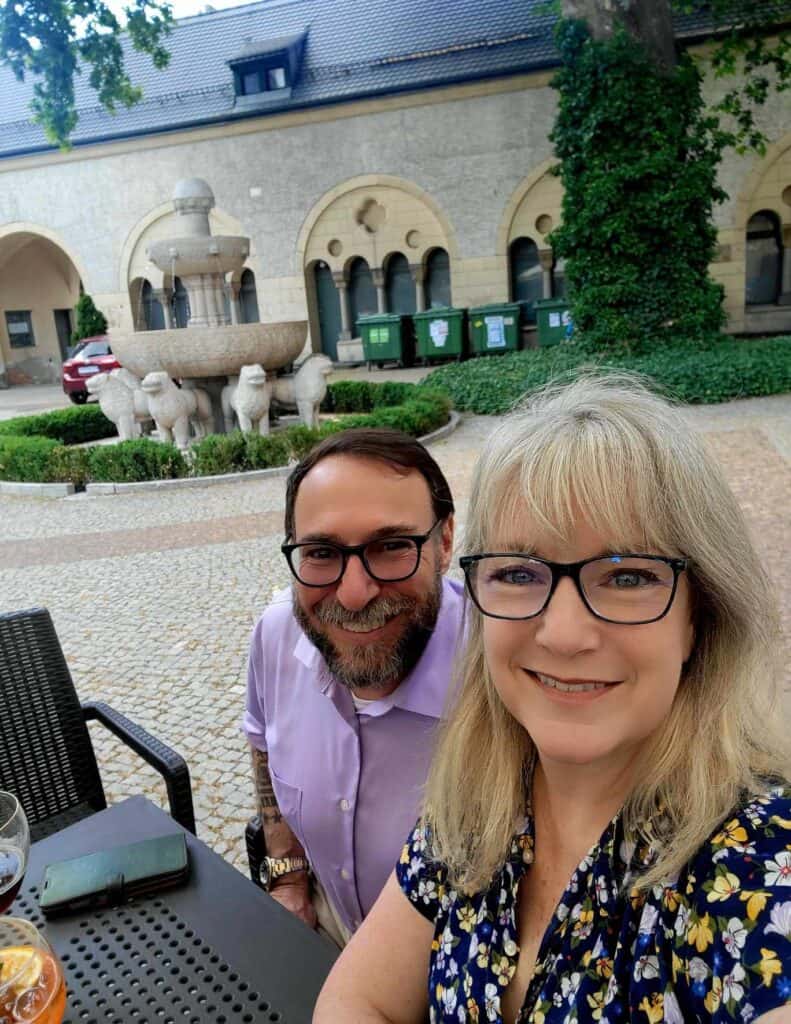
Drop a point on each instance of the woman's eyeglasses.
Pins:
(627, 589)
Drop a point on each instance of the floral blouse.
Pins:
(710, 945)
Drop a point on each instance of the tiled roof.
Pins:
(354, 49)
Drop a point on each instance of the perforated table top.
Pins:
(217, 950)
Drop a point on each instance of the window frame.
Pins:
(29, 333)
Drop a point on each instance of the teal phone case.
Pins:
(114, 876)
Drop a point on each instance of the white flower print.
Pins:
(453, 968)
(447, 941)
(492, 997)
(563, 912)
(602, 889)
(734, 936)
(646, 967)
(778, 871)
(732, 989)
(673, 1014)
(569, 985)
(449, 999)
(682, 921)
(748, 1012)
(427, 890)
(461, 1013)
(698, 969)
(415, 866)
(648, 920)
(780, 917)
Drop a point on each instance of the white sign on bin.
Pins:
(554, 319)
(438, 329)
(495, 331)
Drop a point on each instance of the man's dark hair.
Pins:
(390, 446)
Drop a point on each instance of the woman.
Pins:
(607, 830)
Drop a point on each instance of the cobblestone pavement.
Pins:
(154, 594)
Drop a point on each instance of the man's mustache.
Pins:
(330, 612)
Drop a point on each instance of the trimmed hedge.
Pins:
(719, 372)
(26, 457)
(69, 426)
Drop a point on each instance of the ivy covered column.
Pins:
(638, 161)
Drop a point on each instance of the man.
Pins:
(348, 678)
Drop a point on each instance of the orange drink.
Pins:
(32, 989)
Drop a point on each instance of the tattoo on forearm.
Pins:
(263, 782)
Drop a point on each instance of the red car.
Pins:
(93, 356)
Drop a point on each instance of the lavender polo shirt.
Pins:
(349, 785)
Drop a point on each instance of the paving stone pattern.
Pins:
(154, 595)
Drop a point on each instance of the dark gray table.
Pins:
(216, 950)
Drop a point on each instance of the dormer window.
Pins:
(265, 71)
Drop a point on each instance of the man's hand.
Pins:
(292, 891)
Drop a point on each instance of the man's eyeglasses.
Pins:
(627, 589)
(320, 563)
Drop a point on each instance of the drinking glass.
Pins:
(32, 989)
(14, 848)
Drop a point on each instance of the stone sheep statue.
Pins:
(174, 409)
(248, 395)
(306, 389)
(122, 401)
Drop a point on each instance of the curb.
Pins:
(34, 490)
(94, 490)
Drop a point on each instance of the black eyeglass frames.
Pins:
(389, 559)
(629, 589)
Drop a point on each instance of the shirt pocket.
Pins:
(289, 802)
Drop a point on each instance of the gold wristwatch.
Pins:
(273, 868)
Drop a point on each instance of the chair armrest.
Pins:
(256, 847)
(170, 765)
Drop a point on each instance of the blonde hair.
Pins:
(607, 445)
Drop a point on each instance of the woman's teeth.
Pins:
(555, 684)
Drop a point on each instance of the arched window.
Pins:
(437, 286)
(399, 286)
(248, 299)
(362, 293)
(559, 280)
(181, 303)
(525, 275)
(329, 309)
(153, 314)
(764, 259)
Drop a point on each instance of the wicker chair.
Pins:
(46, 754)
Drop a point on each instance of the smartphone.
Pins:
(114, 876)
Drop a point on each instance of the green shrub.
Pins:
(70, 465)
(219, 453)
(69, 426)
(90, 320)
(350, 396)
(131, 461)
(265, 452)
(26, 459)
(724, 370)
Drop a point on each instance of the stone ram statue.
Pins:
(173, 409)
(122, 401)
(304, 391)
(248, 395)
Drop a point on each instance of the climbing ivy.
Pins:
(638, 159)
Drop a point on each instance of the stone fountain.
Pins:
(213, 346)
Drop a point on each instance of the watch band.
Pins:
(273, 868)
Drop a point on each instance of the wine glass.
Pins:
(14, 848)
(32, 989)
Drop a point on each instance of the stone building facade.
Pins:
(395, 194)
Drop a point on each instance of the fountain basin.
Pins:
(201, 255)
(209, 351)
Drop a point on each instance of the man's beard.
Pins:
(374, 665)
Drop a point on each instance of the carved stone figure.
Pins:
(175, 409)
(248, 395)
(122, 401)
(306, 389)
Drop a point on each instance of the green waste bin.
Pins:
(494, 328)
(387, 338)
(554, 321)
(440, 333)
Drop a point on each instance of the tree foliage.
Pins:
(638, 161)
(54, 40)
(90, 320)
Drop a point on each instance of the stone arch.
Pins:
(764, 185)
(409, 210)
(539, 194)
(41, 279)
